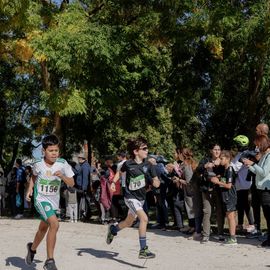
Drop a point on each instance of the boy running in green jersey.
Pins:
(48, 173)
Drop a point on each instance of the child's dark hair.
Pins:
(135, 144)
(122, 154)
(49, 141)
(29, 168)
(19, 161)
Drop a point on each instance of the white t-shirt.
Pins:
(47, 185)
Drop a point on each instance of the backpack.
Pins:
(106, 193)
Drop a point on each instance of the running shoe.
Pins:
(30, 254)
(145, 253)
(50, 265)
(230, 242)
(110, 234)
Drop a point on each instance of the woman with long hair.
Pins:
(262, 172)
(188, 167)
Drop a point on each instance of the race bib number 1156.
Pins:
(47, 187)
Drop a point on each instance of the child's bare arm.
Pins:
(215, 180)
(156, 182)
(29, 192)
(115, 179)
(68, 180)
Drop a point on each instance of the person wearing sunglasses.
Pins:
(139, 175)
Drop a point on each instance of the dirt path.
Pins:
(82, 246)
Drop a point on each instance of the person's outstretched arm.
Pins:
(29, 192)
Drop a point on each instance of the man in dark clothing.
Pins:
(83, 181)
(83, 178)
(160, 193)
(20, 184)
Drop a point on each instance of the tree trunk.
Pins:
(45, 76)
(57, 129)
(64, 138)
(253, 116)
(47, 86)
(89, 151)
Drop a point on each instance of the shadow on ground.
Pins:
(20, 263)
(104, 254)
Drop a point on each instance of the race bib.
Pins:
(137, 182)
(49, 187)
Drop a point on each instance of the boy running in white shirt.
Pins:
(48, 173)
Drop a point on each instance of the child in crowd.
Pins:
(228, 191)
(28, 175)
(105, 198)
(48, 173)
(72, 204)
(137, 171)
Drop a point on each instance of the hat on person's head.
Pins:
(81, 155)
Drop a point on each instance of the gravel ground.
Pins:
(81, 246)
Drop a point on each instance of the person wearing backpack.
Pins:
(242, 184)
(226, 182)
(105, 195)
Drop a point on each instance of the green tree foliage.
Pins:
(240, 78)
(182, 73)
(18, 84)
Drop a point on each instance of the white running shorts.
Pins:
(134, 205)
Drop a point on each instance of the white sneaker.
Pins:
(18, 216)
(250, 228)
